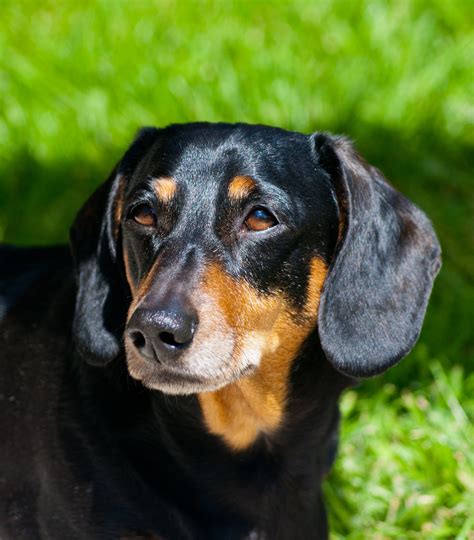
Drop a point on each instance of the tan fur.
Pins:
(256, 403)
(118, 206)
(165, 189)
(240, 187)
(135, 364)
(138, 293)
(128, 275)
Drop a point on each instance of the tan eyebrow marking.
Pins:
(165, 188)
(240, 187)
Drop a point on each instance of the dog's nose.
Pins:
(162, 334)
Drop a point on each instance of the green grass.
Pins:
(406, 469)
(78, 79)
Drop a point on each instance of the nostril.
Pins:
(160, 335)
(169, 339)
(138, 339)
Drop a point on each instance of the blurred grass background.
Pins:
(78, 79)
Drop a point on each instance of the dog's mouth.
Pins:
(182, 380)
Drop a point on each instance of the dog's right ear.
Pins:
(102, 292)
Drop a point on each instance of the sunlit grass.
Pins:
(78, 79)
(407, 468)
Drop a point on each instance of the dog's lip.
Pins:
(158, 375)
(176, 374)
(206, 383)
(181, 376)
(158, 370)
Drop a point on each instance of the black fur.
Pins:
(87, 451)
(380, 280)
(102, 292)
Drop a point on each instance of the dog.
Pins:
(175, 372)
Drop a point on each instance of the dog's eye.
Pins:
(260, 219)
(143, 215)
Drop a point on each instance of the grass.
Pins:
(406, 468)
(76, 80)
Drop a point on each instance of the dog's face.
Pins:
(226, 241)
(213, 251)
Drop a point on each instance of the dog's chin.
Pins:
(174, 382)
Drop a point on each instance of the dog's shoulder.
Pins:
(21, 268)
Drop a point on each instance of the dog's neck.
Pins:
(237, 415)
(166, 441)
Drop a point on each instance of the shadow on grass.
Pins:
(38, 204)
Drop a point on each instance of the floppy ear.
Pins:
(387, 256)
(102, 296)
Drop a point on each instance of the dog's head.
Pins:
(213, 252)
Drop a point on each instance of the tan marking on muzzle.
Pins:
(165, 189)
(118, 204)
(128, 274)
(240, 187)
(256, 403)
(143, 287)
(138, 293)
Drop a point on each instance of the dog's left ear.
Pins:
(102, 292)
(387, 256)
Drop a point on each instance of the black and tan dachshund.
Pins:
(175, 373)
